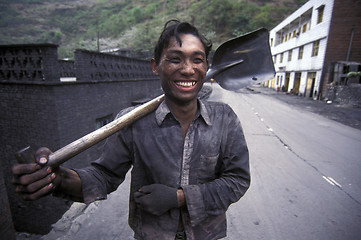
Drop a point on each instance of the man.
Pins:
(189, 158)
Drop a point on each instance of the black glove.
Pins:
(156, 198)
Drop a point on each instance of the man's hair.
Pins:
(173, 28)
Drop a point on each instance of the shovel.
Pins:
(237, 63)
(242, 61)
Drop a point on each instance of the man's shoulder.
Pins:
(217, 106)
(134, 119)
(211, 103)
(220, 112)
(125, 111)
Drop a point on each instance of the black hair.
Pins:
(173, 28)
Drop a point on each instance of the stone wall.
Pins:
(348, 95)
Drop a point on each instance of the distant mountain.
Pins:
(133, 25)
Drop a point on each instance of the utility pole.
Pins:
(98, 41)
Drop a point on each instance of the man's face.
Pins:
(182, 69)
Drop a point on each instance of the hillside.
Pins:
(133, 25)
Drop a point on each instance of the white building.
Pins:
(298, 45)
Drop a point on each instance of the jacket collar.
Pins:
(163, 110)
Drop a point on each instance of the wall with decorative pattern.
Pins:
(49, 102)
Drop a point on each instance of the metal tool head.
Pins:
(242, 61)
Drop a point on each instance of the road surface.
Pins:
(306, 173)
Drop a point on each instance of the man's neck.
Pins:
(185, 112)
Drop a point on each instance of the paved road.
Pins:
(306, 173)
(306, 179)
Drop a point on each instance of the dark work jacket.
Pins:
(210, 164)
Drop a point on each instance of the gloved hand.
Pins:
(156, 198)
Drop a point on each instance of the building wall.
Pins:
(302, 30)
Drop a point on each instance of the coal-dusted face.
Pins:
(182, 69)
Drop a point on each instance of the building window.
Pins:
(290, 55)
(315, 47)
(346, 69)
(271, 42)
(100, 122)
(281, 58)
(300, 52)
(275, 59)
(320, 14)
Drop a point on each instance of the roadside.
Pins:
(345, 114)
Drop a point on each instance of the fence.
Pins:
(39, 63)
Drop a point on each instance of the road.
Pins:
(306, 173)
(306, 180)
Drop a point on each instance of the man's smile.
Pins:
(185, 84)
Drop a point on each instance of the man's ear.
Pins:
(154, 66)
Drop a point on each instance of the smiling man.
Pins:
(189, 157)
(182, 67)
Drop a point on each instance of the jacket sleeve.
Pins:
(109, 170)
(106, 173)
(214, 197)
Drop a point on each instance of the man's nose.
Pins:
(187, 68)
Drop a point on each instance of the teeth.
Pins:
(186, 84)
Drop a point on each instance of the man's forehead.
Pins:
(189, 42)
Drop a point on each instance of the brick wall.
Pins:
(29, 63)
(40, 110)
(346, 19)
(79, 105)
(55, 115)
(7, 228)
(67, 68)
(28, 118)
(92, 65)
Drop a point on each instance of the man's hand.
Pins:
(34, 180)
(156, 198)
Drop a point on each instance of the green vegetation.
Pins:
(133, 25)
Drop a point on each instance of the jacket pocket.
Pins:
(207, 168)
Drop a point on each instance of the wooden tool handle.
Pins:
(78, 146)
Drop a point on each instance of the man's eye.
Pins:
(174, 60)
(198, 60)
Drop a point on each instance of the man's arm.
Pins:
(70, 183)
